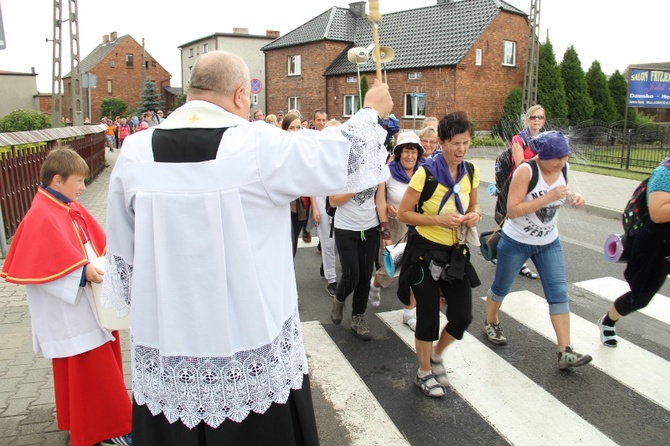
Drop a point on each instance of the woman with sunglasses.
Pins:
(522, 151)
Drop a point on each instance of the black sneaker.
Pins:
(570, 358)
(332, 288)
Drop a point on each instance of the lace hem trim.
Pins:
(212, 389)
(116, 286)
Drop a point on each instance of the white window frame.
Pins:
(293, 65)
(509, 53)
(109, 86)
(129, 60)
(352, 80)
(205, 48)
(478, 57)
(190, 52)
(293, 103)
(350, 104)
(414, 75)
(410, 103)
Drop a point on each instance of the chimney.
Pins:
(32, 70)
(112, 36)
(357, 9)
(240, 30)
(105, 38)
(273, 34)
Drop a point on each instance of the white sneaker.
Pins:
(374, 298)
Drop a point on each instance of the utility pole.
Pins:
(57, 80)
(532, 59)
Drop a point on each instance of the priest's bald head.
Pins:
(223, 79)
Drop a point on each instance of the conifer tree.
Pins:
(149, 100)
(619, 92)
(550, 90)
(599, 90)
(580, 105)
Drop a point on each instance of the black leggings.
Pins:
(357, 251)
(647, 268)
(296, 227)
(458, 295)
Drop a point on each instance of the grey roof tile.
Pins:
(438, 35)
(333, 24)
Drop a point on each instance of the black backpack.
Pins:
(636, 213)
(504, 168)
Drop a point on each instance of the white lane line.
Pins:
(365, 419)
(515, 406)
(629, 364)
(610, 289)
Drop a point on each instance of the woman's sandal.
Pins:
(525, 271)
(429, 386)
(607, 334)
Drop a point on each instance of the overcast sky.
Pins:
(617, 33)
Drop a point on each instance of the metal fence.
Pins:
(21, 157)
(637, 149)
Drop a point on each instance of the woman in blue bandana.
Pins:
(436, 259)
(538, 190)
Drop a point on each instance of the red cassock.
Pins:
(91, 397)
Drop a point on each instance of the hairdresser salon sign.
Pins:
(649, 88)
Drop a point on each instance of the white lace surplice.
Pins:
(196, 250)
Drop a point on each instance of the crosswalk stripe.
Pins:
(610, 289)
(347, 392)
(624, 363)
(509, 401)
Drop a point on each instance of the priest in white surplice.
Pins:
(199, 250)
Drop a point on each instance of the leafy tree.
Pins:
(113, 107)
(24, 120)
(580, 105)
(599, 90)
(550, 90)
(510, 121)
(150, 100)
(619, 91)
(181, 100)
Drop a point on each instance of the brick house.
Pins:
(117, 65)
(455, 55)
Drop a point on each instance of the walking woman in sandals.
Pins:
(436, 258)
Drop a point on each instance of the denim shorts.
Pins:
(548, 260)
